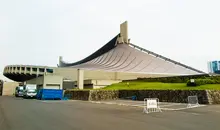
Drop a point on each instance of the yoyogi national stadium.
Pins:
(117, 60)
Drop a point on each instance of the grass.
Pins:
(137, 85)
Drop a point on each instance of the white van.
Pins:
(30, 91)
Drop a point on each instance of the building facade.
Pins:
(214, 67)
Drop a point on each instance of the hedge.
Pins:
(198, 82)
(174, 79)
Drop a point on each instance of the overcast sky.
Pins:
(37, 32)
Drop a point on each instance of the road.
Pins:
(24, 114)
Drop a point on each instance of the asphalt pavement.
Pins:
(29, 114)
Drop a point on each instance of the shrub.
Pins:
(191, 83)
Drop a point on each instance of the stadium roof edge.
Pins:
(166, 59)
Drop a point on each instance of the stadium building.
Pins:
(117, 60)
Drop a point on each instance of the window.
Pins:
(53, 85)
(34, 69)
(49, 70)
(41, 69)
(28, 69)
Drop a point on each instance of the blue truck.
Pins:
(50, 94)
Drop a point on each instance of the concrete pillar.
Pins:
(80, 79)
(20, 69)
(37, 72)
(31, 70)
(45, 71)
(116, 75)
(60, 60)
(124, 31)
(12, 70)
(25, 69)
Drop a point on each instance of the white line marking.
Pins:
(172, 105)
(173, 109)
(135, 105)
(213, 111)
(193, 113)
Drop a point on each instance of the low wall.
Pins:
(77, 94)
(9, 88)
(213, 96)
(96, 95)
(177, 96)
(92, 95)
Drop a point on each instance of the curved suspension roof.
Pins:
(110, 45)
(116, 57)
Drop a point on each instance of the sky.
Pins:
(37, 32)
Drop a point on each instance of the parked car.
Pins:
(30, 91)
(19, 91)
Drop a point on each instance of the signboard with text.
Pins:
(152, 103)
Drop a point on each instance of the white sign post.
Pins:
(151, 105)
(192, 80)
(192, 101)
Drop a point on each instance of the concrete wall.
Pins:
(48, 81)
(96, 95)
(98, 75)
(213, 96)
(68, 85)
(71, 73)
(53, 82)
(92, 95)
(77, 94)
(9, 88)
(103, 75)
(68, 73)
(177, 96)
(95, 84)
(38, 81)
(103, 83)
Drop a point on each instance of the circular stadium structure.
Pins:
(117, 60)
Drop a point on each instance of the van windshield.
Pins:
(31, 90)
(20, 90)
